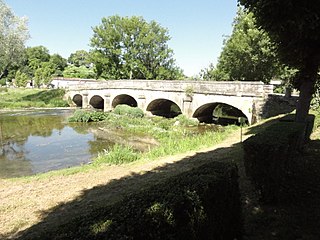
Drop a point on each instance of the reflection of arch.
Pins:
(164, 107)
(217, 112)
(124, 99)
(77, 99)
(97, 102)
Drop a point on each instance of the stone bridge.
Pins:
(196, 99)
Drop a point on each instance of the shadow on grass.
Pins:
(92, 201)
(297, 216)
(260, 127)
(45, 95)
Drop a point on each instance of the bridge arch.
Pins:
(219, 112)
(124, 99)
(97, 102)
(77, 99)
(164, 108)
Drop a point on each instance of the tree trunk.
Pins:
(307, 88)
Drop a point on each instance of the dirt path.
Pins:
(25, 203)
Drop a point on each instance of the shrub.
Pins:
(123, 109)
(269, 157)
(88, 116)
(203, 203)
(3, 82)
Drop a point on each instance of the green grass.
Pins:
(173, 138)
(27, 98)
(118, 155)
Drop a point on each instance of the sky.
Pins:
(196, 27)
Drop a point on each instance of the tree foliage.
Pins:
(248, 54)
(35, 56)
(79, 58)
(13, 35)
(59, 64)
(131, 48)
(43, 75)
(295, 28)
(21, 79)
(41, 66)
(78, 72)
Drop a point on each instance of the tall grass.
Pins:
(118, 154)
(174, 135)
(174, 139)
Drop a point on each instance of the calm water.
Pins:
(39, 141)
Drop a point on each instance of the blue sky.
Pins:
(197, 27)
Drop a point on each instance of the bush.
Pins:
(86, 116)
(269, 157)
(123, 109)
(203, 203)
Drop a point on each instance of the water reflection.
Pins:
(38, 141)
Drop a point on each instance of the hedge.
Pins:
(203, 203)
(269, 157)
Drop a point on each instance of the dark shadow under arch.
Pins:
(97, 102)
(124, 99)
(77, 99)
(219, 113)
(164, 108)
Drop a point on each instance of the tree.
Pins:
(131, 48)
(80, 58)
(294, 26)
(59, 64)
(212, 73)
(13, 35)
(21, 79)
(43, 75)
(248, 54)
(36, 56)
(78, 72)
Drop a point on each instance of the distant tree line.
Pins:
(121, 48)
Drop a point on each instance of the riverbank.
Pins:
(46, 202)
(26, 202)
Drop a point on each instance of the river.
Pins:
(38, 141)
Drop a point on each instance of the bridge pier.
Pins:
(142, 102)
(187, 106)
(107, 103)
(85, 100)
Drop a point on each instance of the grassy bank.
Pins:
(177, 135)
(173, 136)
(16, 98)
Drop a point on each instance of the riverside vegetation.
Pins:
(166, 131)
